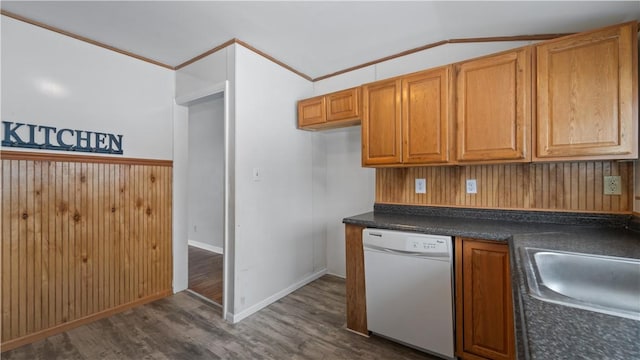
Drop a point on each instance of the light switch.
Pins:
(256, 174)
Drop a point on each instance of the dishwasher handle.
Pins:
(423, 254)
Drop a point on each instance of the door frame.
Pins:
(179, 222)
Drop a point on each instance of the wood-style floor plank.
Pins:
(205, 273)
(307, 324)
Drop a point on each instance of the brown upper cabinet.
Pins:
(493, 107)
(343, 105)
(381, 123)
(587, 95)
(426, 125)
(311, 113)
(406, 120)
(571, 98)
(338, 109)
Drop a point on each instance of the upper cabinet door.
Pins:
(311, 112)
(587, 95)
(335, 110)
(381, 123)
(343, 105)
(425, 117)
(493, 109)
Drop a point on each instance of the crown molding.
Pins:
(84, 39)
(444, 42)
(206, 53)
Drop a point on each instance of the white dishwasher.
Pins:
(408, 280)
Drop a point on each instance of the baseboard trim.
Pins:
(30, 338)
(234, 318)
(203, 246)
(336, 275)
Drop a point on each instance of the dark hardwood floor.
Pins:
(307, 324)
(205, 273)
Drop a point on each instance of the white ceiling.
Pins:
(315, 38)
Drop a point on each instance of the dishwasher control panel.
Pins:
(407, 242)
(422, 244)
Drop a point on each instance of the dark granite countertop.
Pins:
(543, 330)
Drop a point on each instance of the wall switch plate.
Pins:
(471, 186)
(612, 185)
(256, 174)
(421, 186)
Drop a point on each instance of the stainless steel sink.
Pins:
(605, 284)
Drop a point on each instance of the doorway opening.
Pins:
(206, 197)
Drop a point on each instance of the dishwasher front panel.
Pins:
(409, 299)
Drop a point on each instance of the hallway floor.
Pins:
(205, 273)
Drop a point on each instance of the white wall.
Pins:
(206, 173)
(350, 190)
(319, 197)
(54, 80)
(180, 198)
(205, 73)
(274, 226)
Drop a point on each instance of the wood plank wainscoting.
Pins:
(568, 186)
(83, 237)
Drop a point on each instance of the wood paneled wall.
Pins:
(570, 186)
(82, 237)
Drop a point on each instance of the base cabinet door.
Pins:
(484, 306)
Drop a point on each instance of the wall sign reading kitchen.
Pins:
(33, 136)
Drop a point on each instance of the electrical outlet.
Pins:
(612, 185)
(421, 186)
(471, 186)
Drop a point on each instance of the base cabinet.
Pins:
(484, 306)
(355, 288)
